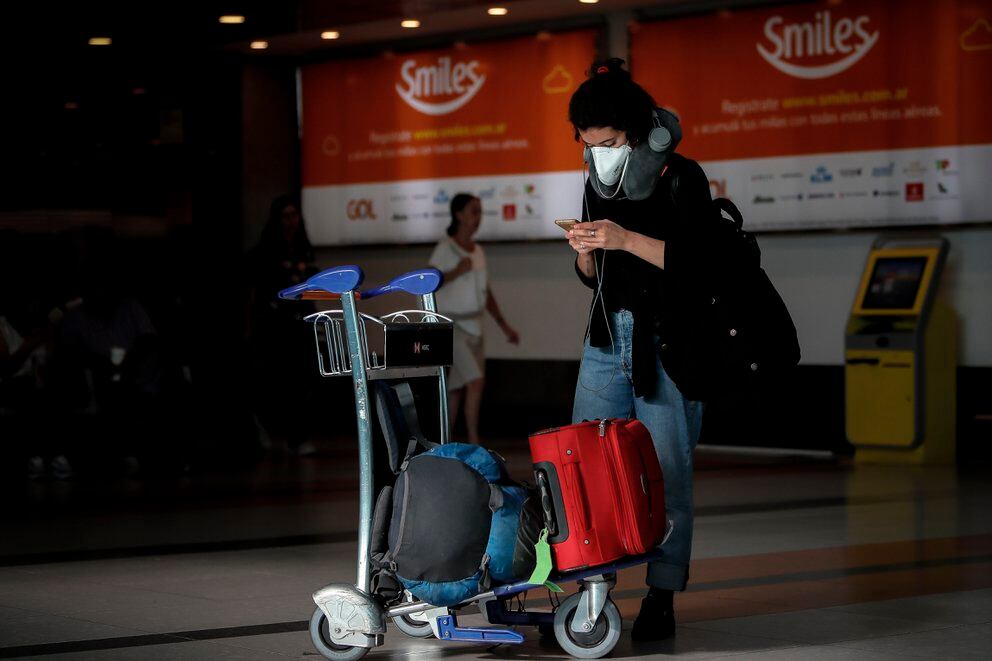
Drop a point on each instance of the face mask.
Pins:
(610, 163)
(639, 168)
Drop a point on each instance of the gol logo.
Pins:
(816, 39)
(360, 210)
(421, 84)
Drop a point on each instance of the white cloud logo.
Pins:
(816, 38)
(442, 79)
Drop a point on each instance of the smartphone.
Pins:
(566, 223)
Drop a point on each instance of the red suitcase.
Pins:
(602, 491)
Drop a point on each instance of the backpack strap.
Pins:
(380, 556)
(397, 413)
(486, 579)
(496, 498)
(416, 437)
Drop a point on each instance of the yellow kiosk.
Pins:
(901, 357)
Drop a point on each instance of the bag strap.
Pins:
(496, 498)
(723, 205)
(729, 208)
(486, 579)
(416, 437)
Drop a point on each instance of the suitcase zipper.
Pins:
(626, 501)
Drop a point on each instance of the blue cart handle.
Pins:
(418, 283)
(336, 280)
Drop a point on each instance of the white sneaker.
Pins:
(61, 468)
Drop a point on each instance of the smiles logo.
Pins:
(422, 84)
(819, 38)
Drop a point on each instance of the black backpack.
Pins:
(735, 334)
(454, 522)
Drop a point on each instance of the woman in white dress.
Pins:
(464, 296)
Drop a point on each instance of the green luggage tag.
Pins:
(543, 567)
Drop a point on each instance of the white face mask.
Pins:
(610, 163)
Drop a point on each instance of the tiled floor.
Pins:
(793, 560)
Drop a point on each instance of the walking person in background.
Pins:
(464, 296)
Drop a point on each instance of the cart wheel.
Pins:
(598, 642)
(413, 628)
(321, 637)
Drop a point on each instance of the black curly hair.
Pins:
(610, 97)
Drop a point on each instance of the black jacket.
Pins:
(661, 301)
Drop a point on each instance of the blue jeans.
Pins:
(605, 390)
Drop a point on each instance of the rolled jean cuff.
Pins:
(667, 576)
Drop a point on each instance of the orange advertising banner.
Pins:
(396, 136)
(901, 89)
(824, 77)
(491, 108)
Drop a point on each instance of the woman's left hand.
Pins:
(512, 336)
(603, 234)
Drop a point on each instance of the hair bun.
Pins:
(613, 65)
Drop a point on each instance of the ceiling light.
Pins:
(330, 34)
(231, 19)
(410, 23)
(259, 45)
(100, 41)
(588, 2)
(498, 11)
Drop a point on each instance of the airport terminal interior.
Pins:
(222, 227)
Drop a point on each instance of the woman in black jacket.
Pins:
(644, 254)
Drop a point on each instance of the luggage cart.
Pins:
(349, 620)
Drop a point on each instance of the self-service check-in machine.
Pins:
(901, 357)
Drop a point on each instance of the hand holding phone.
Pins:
(566, 223)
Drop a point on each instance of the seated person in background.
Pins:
(23, 398)
(280, 343)
(111, 343)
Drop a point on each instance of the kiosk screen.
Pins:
(894, 284)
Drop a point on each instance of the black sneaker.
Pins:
(656, 621)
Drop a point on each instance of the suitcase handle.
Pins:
(578, 494)
(552, 504)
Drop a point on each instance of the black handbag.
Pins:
(734, 332)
